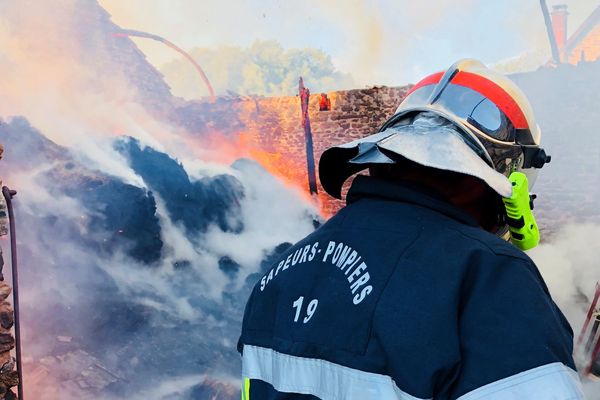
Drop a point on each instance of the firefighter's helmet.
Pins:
(467, 119)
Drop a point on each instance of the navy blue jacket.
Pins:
(402, 296)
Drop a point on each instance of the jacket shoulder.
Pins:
(489, 242)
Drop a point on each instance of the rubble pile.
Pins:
(8, 375)
(73, 374)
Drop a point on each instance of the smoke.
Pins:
(565, 101)
(264, 68)
(183, 388)
(107, 266)
(362, 25)
(60, 70)
(111, 301)
(568, 263)
(387, 42)
(181, 309)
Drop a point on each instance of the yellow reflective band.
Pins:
(246, 389)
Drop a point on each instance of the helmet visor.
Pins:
(427, 139)
(477, 102)
(470, 106)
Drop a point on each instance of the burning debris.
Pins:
(174, 280)
(74, 374)
(324, 102)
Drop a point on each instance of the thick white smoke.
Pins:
(569, 265)
(389, 42)
(62, 271)
(77, 97)
(264, 68)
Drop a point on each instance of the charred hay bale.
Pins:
(7, 342)
(9, 379)
(5, 290)
(7, 317)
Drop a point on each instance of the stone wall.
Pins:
(271, 128)
(9, 377)
(564, 99)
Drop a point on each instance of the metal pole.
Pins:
(595, 357)
(8, 195)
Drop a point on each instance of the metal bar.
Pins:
(592, 337)
(8, 195)
(595, 353)
(146, 35)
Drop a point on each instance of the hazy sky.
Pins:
(378, 41)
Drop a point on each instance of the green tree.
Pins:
(264, 68)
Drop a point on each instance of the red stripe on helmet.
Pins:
(496, 94)
(430, 80)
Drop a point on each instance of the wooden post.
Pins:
(550, 29)
(310, 157)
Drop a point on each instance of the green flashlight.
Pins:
(524, 232)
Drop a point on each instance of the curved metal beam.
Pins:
(146, 35)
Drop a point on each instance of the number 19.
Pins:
(310, 310)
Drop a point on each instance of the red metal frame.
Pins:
(593, 311)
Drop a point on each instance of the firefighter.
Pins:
(409, 292)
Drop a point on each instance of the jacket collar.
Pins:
(377, 188)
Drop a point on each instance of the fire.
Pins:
(225, 149)
(275, 162)
(324, 102)
(263, 137)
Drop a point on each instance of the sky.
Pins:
(391, 42)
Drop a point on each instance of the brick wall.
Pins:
(588, 49)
